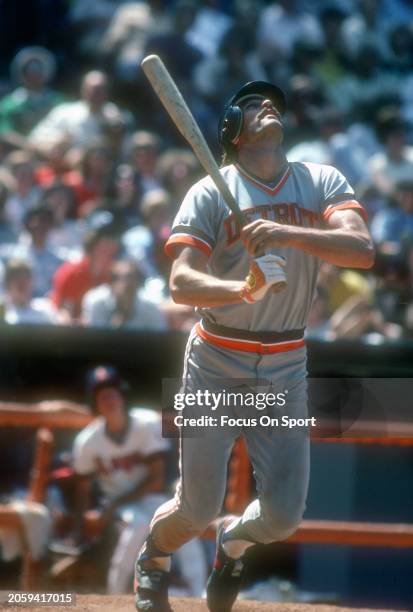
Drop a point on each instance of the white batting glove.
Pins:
(265, 272)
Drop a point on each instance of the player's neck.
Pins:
(117, 428)
(264, 163)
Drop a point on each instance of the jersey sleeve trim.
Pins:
(341, 197)
(188, 240)
(347, 205)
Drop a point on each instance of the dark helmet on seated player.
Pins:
(101, 377)
(231, 120)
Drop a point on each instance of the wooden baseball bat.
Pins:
(173, 101)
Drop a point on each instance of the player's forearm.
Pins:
(339, 247)
(195, 288)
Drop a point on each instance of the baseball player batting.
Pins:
(299, 213)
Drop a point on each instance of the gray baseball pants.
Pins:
(279, 456)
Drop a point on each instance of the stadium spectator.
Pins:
(54, 162)
(401, 46)
(175, 46)
(116, 131)
(144, 153)
(356, 319)
(67, 232)
(127, 193)
(33, 68)
(306, 98)
(341, 285)
(368, 83)
(26, 193)
(394, 12)
(177, 170)
(320, 150)
(33, 247)
(18, 305)
(394, 223)
(331, 66)
(80, 121)
(395, 162)
(393, 288)
(304, 58)
(7, 235)
(348, 306)
(333, 145)
(273, 69)
(10, 142)
(373, 200)
(208, 28)
(90, 183)
(73, 279)
(120, 304)
(282, 24)
(123, 449)
(144, 243)
(124, 41)
(366, 25)
(217, 77)
(89, 21)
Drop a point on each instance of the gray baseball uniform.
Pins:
(239, 341)
(304, 195)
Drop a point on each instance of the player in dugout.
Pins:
(124, 451)
(253, 288)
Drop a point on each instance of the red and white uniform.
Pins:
(119, 468)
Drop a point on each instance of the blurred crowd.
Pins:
(92, 171)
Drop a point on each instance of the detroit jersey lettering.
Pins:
(305, 195)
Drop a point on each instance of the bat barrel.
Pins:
(177, 108)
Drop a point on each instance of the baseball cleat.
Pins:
(151, 589)
(225, 579)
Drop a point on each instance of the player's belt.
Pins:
(249, 341)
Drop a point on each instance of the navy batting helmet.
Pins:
(101, 377)
(230, 124)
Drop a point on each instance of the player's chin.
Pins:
(275, 127)
(272, 118)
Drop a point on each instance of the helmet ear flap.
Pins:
(231, 125)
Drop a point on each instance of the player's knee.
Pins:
(280, 519)
(201, 522)
(202, 517)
